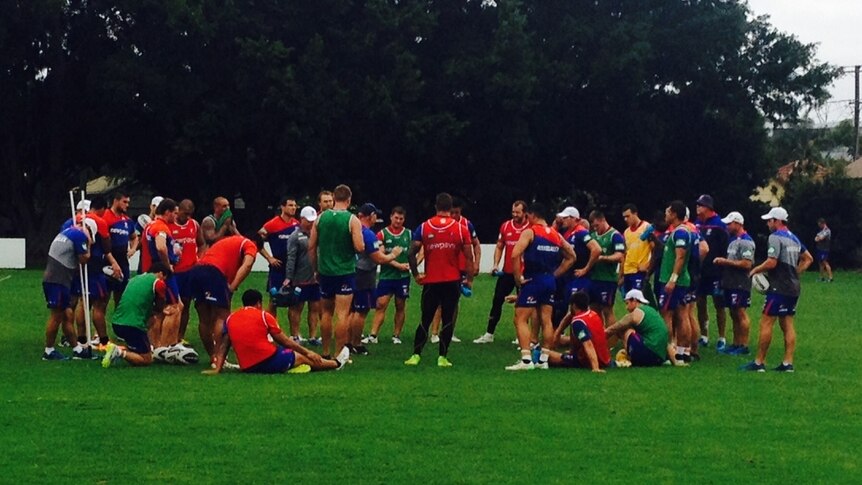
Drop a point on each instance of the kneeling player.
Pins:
(248, 330)
(643, 331)
(588, 341)
(143, 294)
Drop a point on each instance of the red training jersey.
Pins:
(248, 329)
(509, 235)
(187, 236)
(227, 254)
(152, 232)
(593, 321)
(443, 239)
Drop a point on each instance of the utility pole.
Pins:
(856, 116)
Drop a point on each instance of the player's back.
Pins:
(335, 252)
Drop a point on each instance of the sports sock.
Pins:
(680, 350)
(722, 340)
(82, 339)
(48, 350)
(525, 356)
(78, 348)
(543, 357)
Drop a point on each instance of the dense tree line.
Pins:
(601, 102)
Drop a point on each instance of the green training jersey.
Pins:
(391, 241)
(136, 304)
(680, 238)
(653, 331)
(335, 253)
(611, 242)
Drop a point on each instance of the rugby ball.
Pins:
(181, 355)
(760, 283)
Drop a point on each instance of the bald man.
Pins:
(220, 223)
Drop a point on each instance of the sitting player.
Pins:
(588, 342)
(643, 332)
(248, 330)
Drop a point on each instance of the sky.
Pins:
(836, 25)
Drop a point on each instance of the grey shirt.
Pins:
(298, 268)
(740, 248)
(63, 257)
(785, 247)
(825, 241)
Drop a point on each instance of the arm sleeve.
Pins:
(372, 244)
(161, 289)
(580, 331)
(249, 249)
(271, 323)
(619, 243)
(773, 246)
(417, 233)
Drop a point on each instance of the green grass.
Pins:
(381, 422)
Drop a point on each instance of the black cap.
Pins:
(368, 208)
(706, 201)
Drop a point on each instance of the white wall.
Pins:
(13, 253)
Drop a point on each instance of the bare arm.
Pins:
(413, 262)
(590, 350)
(498, 253)
(356, 234)
(595, 252)
(380, 257)
(476, 256)
(703, 247)
(745, 264)
(162, 249)
(805, 261)
(626, 322)
(134, 240)
(767, 265)
(568, 260)
(312, 247)
(678, 262)
(471, 263)
(265, 253)
(208, 230)
(518, 252)
(202, 244)
(242, 273)
(281, 339)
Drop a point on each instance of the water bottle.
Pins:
(496, 272)
(466, 291)
(273, 291)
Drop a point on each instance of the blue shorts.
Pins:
(337, 285)
(136, 339)
(538, 291)
(673, 301)
(182, 280)
(603, 293)
(57, 296)
(275, 277)
(400, 288)
(206, 284)
(308, 293)
(633, 281)
(779, 305)
(173, 293)
(736, 299)
(278, 363)
(571, 361)
(578, 284)
(639, 354)
(120, 286)
(363, 301)
(710, 287)
(97, 283)
(822, 256)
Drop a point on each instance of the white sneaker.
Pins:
(396, 340)
(342, 358)
(161, 354)
(371, 339)
(521, 365)
(541, 365)
(486, 338)
(515, 341)
(230, 366)
(435, 339)
(456, 340)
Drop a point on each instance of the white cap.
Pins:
(734, 217)
(157, 200)
(308, 213)
(570, 212)
(91, 227)
(775, 213)
(636, 295)
(83, 205)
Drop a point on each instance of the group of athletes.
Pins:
(565, 271)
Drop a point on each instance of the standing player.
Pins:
(786, 259)
(443, 240)
(69, 248)
(324, 201)
(587, 252)
(186, 232)
(714, 232)
(142, 302)
(823, 241)
(644, 334)
(298, 273)
(366, 275)
(510, 233)
(275, 232)
(260, 345)
(213, 281)
(124, 241)
(588, 341)
(674, 279)
(161, 247)
(336, 238)
(220, 223)
(636, 261)
(605, 274)
(394, 277)
(735, 281)
(539, 248)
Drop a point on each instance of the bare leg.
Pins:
(744, 326)
(99, 308)
(702, 318)
(608, 315)
(342, 325)
(766, 323)
(325, 364)
(789, 337)
(205, 326)
(327, 310)
(380, 314)
(171, 325)
(522, 327)
(184, 318)
(294, 315)
(55, 319)
(435, 323)
(400, 315)
(313, 318)
(137, 360)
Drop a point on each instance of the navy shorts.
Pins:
(57, 296)
(822, 256)
(639, 354)
(710, 287)
(633, 281)
(538, 291)
(120, 286)
(779, 305)
(275, 277)
(97, 283)
(182, 280)
(278, 363)
(603, 293)
(571, 361)
(737, 299)
(308, 293)
(136, 339)
(173, 294)
(673, 301)
(337, 285)
(400, 288)
(578, 284)
(363, 301)
(206, 284)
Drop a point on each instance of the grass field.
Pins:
(381, 422)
